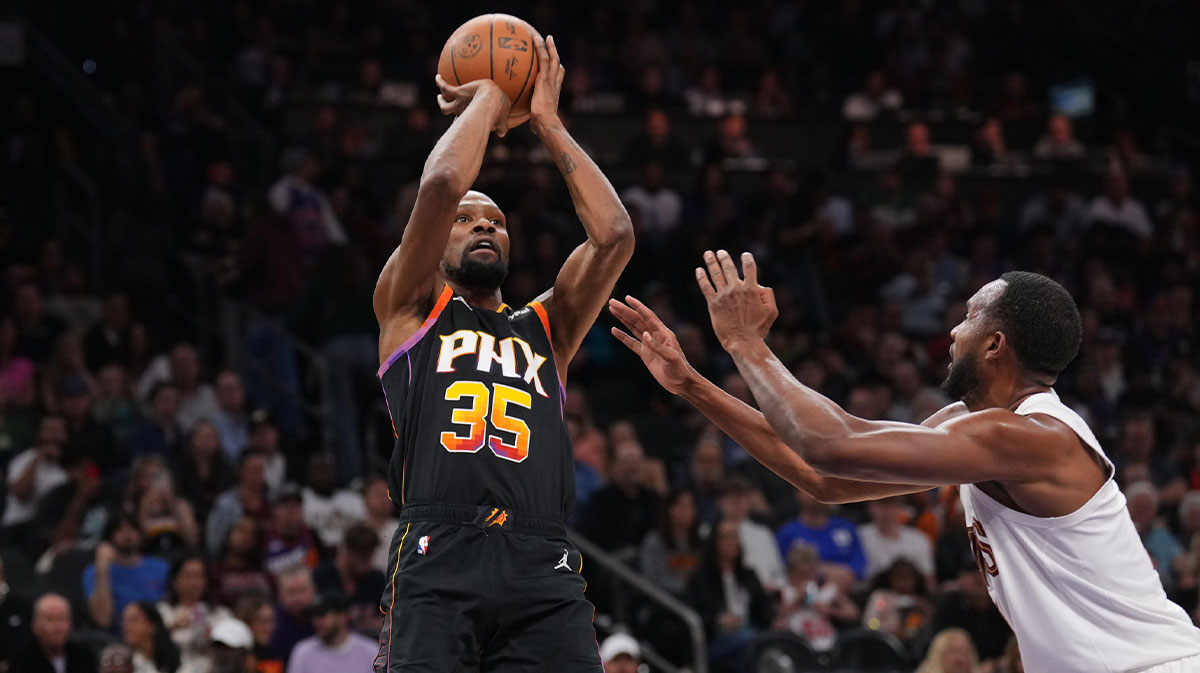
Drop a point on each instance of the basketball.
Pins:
(499, 47)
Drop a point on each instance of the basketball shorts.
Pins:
(484, 589)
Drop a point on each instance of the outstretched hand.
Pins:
(740, 308)
(543, 105)
(653, 342)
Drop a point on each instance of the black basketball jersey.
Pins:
(476, 407)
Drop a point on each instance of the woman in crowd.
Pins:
(167, 522)
(259, 614)
(206, 469)
(239, 571)
(729, 598)
(188, 615)
(671, 552)
(951, 652)
(147, 636)
(899, 601)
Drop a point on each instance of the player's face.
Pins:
(477, 253)
(963, 379)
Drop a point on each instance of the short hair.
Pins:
(40, 604)
(361, 539)
(1040, 320)
(118, 518)
(1142, 488)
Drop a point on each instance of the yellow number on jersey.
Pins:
(476, 415)
(473, 416)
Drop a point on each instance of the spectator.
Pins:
(772, 99)
(65, 370)
(247, 497)
(292, 619)
(671, 551)
(760, 551)
(1116, 208)
(729, 598)
(1015, 106)
(116, 658)
(231, 420)
(202, 472)
(620, 653)
(885, 539)
(620, 514)
(732, 142)
(810, 604)
(950, 652)
(167, 522)
(875, 98)
(238, 570)
(1142, 500)
(36, 331)
(33, 474)
(656, 143)
(990, 147)
(658, 206)
(835, 538)
(899, 601)
(116, 408)
(1060, 208)
(351, 575)
(107, 342)
(918, 158)
(145, 634)
(305, 207)
(969, 607)
(72, 305)
(1059, 141)
(159, 433)
(704, 479)
(329, 510)
(52, 650)
(121, 575)
(259, 615)
(264, 438)
(334, 647)
(232, 647)
(289, 543)
(16, 370)
(381, 517)
(188, 615)
(196, 398)
(87, 438)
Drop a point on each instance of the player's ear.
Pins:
(996, 346)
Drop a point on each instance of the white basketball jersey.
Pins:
(1078, 590)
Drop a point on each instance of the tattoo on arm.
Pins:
(568, 164)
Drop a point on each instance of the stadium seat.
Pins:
(871, 652)
(780, 652)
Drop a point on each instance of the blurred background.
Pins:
(196, 199)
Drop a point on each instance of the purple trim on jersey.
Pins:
(411, 341)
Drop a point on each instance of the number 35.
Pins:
(476, 417)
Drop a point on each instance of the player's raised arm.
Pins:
(656, 345)
(405, 291)
(590, 272)
(994, 444)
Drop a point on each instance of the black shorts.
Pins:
(484, 589)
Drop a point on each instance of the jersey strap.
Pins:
(411, 341)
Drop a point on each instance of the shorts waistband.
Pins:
(486, 517)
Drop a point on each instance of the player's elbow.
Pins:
(821, 456)
(443, 184)
(618, 237)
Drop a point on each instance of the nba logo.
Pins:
(423, 545)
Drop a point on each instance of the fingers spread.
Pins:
(631, 343)
(706, 287)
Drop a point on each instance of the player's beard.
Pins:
(478, 275)
(963, 380)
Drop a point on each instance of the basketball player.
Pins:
(481, 575)
(1046, 520)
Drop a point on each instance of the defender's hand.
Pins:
(741, 309)
(453, 100)
(543, 107)
(653, 342)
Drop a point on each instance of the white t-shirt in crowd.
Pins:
(883, 551)
(49, 475)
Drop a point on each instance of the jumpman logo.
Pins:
(562, 563)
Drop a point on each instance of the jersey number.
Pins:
(488, 405)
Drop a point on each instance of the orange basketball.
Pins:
(498, 47)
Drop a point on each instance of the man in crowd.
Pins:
(51, 650)
(121, 575)
(292, 623)
(351, 574)
(334, 647)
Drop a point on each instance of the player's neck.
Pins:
(486, 299)
(1004, 396)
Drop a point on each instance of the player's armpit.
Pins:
(988, 445)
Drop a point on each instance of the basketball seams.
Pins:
(457, 79)
(532, 62)
(492, 47)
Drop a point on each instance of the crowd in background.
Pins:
(167, 490)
